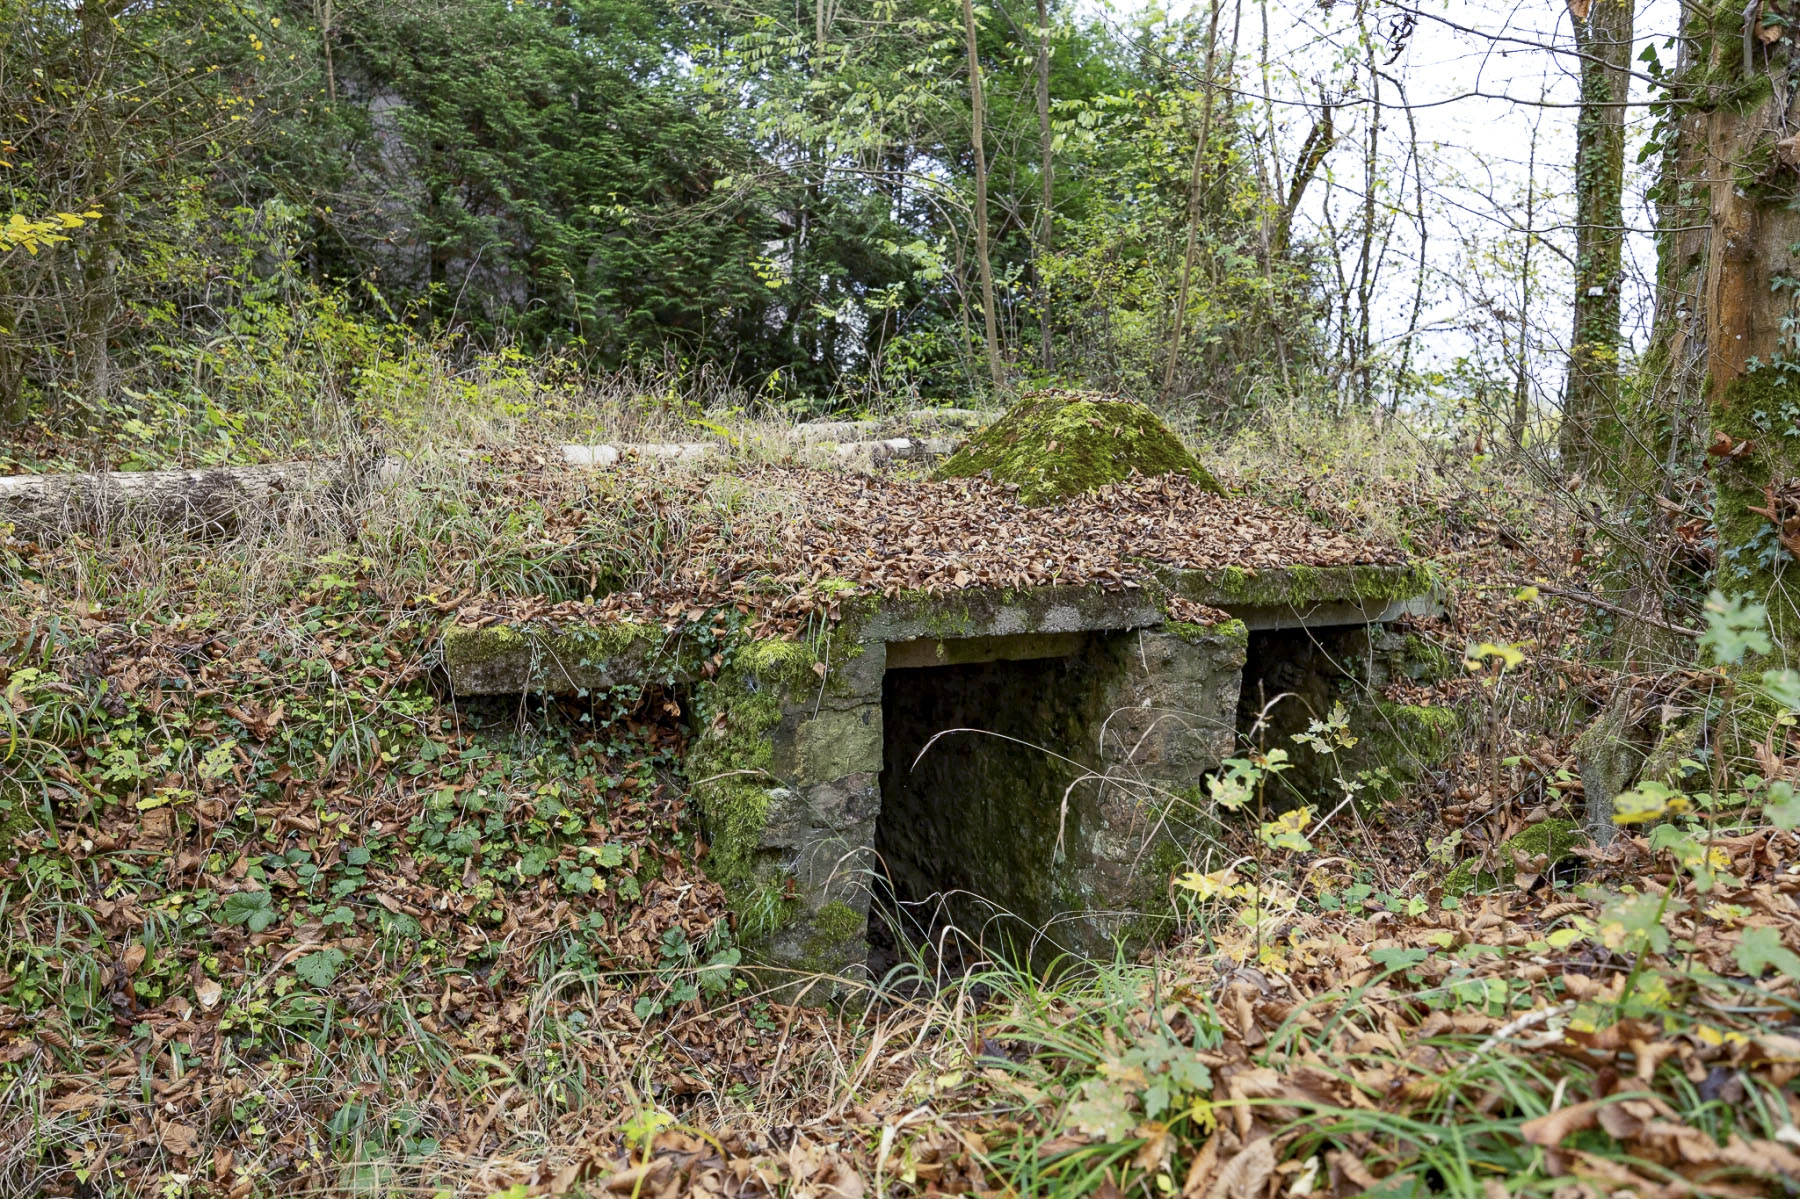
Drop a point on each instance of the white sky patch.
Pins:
(1492, 89)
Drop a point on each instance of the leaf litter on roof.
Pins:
(781, 542)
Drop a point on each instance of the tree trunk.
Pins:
(1603, 33)
(977, 138)
(1046, 173)
(221, 499)
(96, 256)
(1318, 143)
(1519, 423)
(1724, 363)
(1195, 187)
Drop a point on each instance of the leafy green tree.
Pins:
(544, 171)
(106, 112)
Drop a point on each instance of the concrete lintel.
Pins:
(1004, 612)
(965, 651)
(1318, 616)
(971, 625)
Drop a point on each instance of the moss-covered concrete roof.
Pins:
(788, 548)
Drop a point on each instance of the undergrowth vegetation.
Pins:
(285, 916)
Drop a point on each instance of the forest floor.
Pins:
(282, 917)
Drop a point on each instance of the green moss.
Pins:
(1549, 839)
(728, 768)
(587, 645)
(836, 939)
(1425, 661)
(1154, 915)
(1424, 733)
(471, 647)
(775, 658)
(1057, 444)
(1552, 840)
(1464, 879)
(1717, 78)
(1751, 560)
(1196, 634)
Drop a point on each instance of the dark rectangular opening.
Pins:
(1292, 677)
(977, 759)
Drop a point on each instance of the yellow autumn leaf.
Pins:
(1648, 801)
(1707, 1034)
(1209, 886)
(1477, 656)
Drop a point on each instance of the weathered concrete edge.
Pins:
(508, 659)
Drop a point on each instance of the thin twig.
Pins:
(1594, 601)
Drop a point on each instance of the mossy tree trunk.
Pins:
(1603, 31)
(1724, 363)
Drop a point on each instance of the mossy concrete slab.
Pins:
(509, 659)
(1311, 596)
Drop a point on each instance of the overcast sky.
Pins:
(1494, 110)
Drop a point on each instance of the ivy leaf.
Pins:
(1783, 686)
(320, 969)
(1631, 922)
(1760, 947)
(1733, 628)
(1396, 958)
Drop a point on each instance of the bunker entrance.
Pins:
(1026, 787)
(1293, 676)
(976, 761)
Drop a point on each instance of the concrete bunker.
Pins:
(1101, 717)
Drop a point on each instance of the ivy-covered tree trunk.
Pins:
(1726, 345)
(1603, 31)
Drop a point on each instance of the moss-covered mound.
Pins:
(1055, 444)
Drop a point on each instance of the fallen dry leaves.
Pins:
(1305, 1010)
(785, 542)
